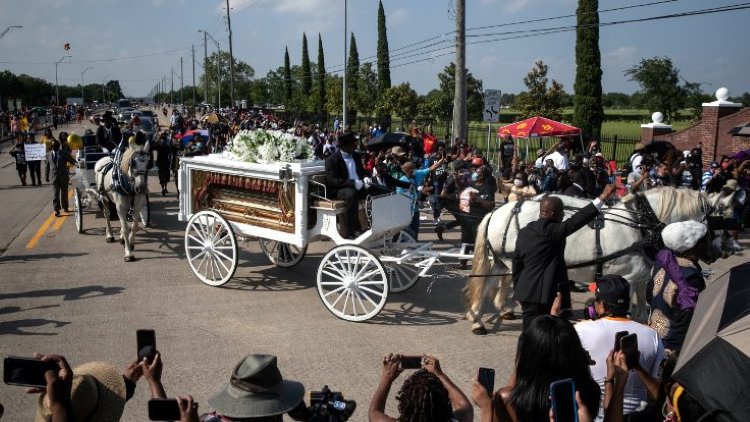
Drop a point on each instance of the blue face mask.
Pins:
(474, 177)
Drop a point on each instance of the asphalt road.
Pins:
(73, 294)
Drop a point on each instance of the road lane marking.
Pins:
(39, 233)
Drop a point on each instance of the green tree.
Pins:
(352, 78)
(474, 94)
(399, 100)
(588, 113)
(243, 75)
(694, 99)
(437, 106)
(539, 100)
(368, 89)
(321, 81)
(306, 72)
(334, 94)
(384, 61)
(287, 78)
(660, 85)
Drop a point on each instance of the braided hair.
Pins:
(423, 398)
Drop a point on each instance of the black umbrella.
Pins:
(714, 363)
(390, 140)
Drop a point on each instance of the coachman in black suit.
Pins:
(108, 134)
(344, 185)
(539, 258)
(58, 159)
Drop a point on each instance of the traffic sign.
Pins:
(491, 113)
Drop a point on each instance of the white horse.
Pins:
(622, 242)
(135, 168)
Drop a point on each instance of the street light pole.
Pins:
(83, 73)
(218, 63)
(345, 60)
(231, 59)
(57, 87)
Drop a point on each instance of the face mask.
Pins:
(518, 182)
(474, 177)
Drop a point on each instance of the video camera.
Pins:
(325, 406)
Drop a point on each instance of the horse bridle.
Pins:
(140, 156)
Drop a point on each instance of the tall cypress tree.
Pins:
(321, 79)
(589, 112)
(384, 61)
(306, 72)
(287, 78)
(352, 77)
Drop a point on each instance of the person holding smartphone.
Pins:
(599, 337)
(428, 394)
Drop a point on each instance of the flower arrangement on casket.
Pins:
(269, 146)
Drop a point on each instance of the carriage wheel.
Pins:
(282, 254)
(404, 276)
(78, 210)
(146, 213)
(211, 248)
(352, 283)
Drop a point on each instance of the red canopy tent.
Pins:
(537, 126)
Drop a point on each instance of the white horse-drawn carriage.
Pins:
(285, 206)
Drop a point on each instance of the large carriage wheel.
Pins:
(211, 248)
(282, 254)
(78, 209)
(404, 276)
(352, 283)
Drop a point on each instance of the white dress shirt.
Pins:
(349, 161)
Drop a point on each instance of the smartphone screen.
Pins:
(163, 410)
(146, 340)
(411, 362)
(629, 346)
(28, 372)
(564, 405)
(486, 377)
(618, 336)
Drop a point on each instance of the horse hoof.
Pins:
(508, 316)
(110, 240)
(129, 258)
(480, 331)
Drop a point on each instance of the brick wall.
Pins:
(712, 131)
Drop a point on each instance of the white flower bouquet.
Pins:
(269, 146)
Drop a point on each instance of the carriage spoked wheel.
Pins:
(211, 248)
(404, 276)
(282, 254)
(78, 210)
(352, 283)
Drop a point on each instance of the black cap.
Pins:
(347, 138)
(614, 290)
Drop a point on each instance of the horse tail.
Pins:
(480, 264)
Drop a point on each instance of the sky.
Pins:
(138, 42)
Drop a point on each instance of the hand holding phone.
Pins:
(411, 362)
(27, 372)
(146, 342)
(629, 347)
(564, 405)
(163, 410)
(486, 377)
(619, 335)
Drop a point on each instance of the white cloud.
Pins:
(624, 54)
(514, 6)
(397, 17)
(304, 6)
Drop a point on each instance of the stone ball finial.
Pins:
(722, 94)
(657, 117)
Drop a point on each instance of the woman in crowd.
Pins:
(549, 350)
(163, 161)
(521, 188)
(427, 395)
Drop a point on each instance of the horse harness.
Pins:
(645, 219)
(120, 180)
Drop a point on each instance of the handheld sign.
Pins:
(35, 152)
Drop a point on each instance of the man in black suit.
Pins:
(108, 134)
(539, 258)
(346, 181)
(58, 159)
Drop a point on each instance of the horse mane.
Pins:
(674, 204)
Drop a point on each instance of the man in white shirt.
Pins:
(559, 158)
(598, 338)
(346, 178)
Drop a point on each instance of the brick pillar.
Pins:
(712, 113)
(654, 129)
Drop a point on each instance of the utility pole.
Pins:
(205, 67)
(171, 88)
(231, 60)
(459, 97)
(57, 87)
(83, 101)
(182, 86)
(192, 48)
(345, 60)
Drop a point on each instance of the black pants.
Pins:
(529, 311)
(351, 197)
(35, 170)
(60, 194)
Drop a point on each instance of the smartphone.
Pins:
(163, 410)
(618, 336)
(486, 377)
(629, 346)
(27, 372)
(146, 340)
(564, 406)
(411, 362)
